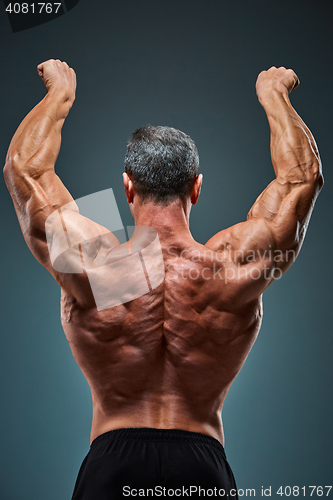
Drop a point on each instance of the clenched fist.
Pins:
(281, 80)
(58, 77)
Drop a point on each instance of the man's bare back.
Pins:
(167, 359)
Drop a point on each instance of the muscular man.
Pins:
(160, 366)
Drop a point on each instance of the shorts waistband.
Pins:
(166, 435)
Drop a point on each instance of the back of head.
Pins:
(162, 162)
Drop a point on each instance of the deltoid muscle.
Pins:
(126, 271)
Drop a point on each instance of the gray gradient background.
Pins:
(191, 65)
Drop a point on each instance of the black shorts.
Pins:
(162, 463)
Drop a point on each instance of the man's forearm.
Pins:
(36, 143)
(294, 152)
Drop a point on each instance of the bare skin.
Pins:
(167, 359)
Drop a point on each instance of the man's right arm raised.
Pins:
(273, 234)
(40, 198)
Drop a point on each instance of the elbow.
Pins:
(8, 175)
(13, 164)
(8, 168)
(6, 171)
(318, 178)
(9, 163)
(320, 181)
(315, 175)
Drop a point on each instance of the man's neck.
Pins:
(170, 221)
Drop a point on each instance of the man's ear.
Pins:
(128, 185)
(196, 189)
